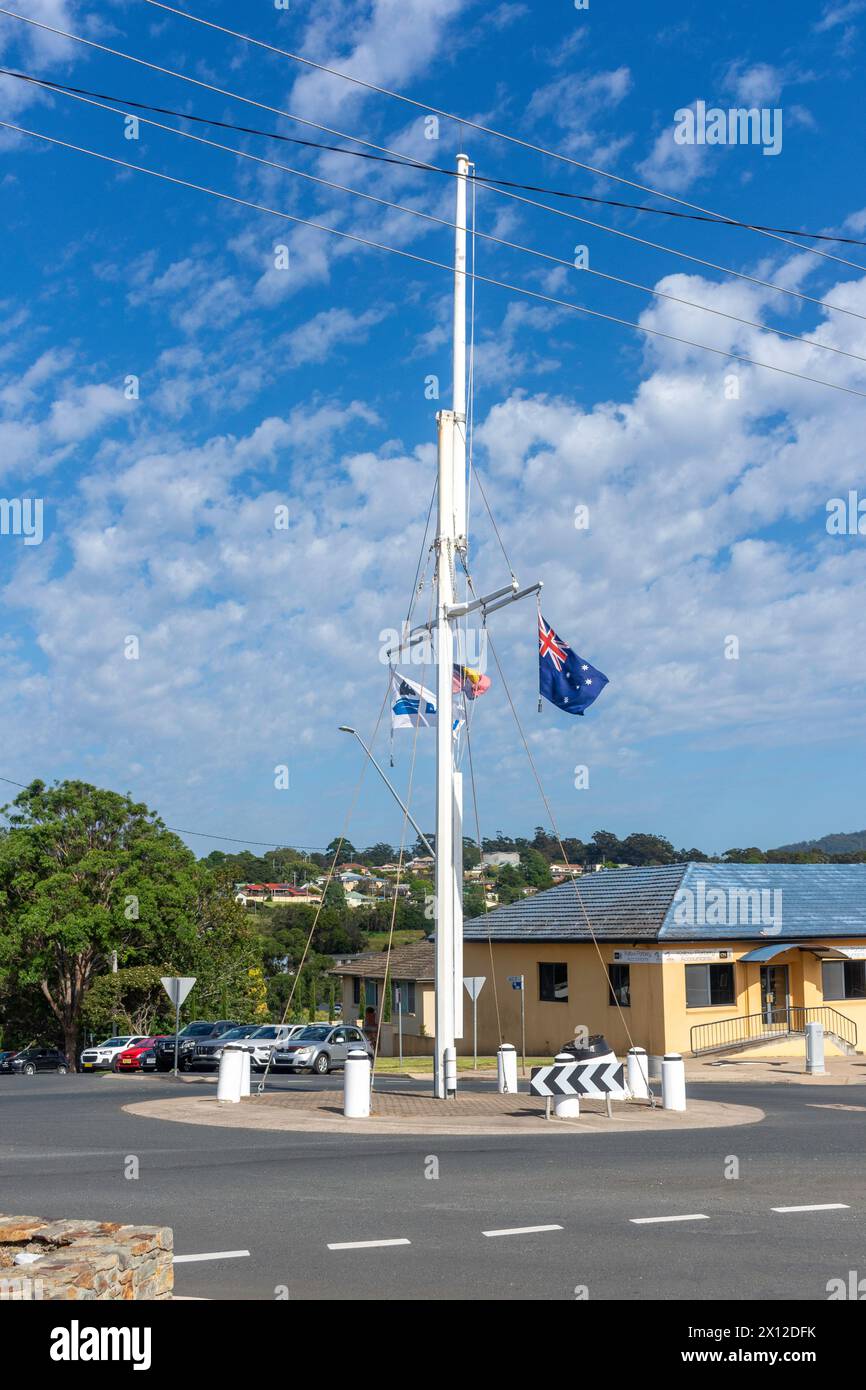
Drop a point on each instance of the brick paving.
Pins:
(405, 1104)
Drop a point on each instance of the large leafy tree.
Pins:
(86, 873)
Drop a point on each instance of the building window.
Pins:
(371, 990)
(553, 982)
(619, 986)
(844, 979)
(708, 986)
(407, 995)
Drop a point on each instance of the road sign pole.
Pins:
(176, 1030)
(523, 1020)
(475, 1033)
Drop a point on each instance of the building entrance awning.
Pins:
(765, 953)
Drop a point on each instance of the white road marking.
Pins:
(817, 1206)
(367, 1244)
(213, 1255)
(521, 1230)
(655, 1220)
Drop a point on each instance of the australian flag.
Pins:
(564, 678)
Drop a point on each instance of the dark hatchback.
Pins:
(187, 1038)
(34, 1059)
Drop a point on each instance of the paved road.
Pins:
(285, 1198)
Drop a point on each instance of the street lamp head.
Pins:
(345, 729)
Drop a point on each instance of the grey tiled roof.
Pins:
(813, 900)
(622, 905)
(801, 901)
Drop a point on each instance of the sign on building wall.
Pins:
(662, 957)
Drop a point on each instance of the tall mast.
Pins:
(450, 542)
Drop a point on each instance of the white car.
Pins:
(101, 1057)
(262, 1042)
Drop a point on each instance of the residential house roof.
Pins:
(688, 902)
(412, 962)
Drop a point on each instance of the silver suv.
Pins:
(320, 1047)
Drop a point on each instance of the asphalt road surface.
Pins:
(271, 1206)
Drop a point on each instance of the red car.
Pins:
(130, 1058)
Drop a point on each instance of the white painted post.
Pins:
(450, 1071)
(356, 1085)
(673, 1082)
(229, 1082)
(246, 1068)
(637, 1073)
(566, 1107)
(815, 1049)
(506, 1070)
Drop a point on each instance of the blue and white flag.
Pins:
(564, 678)
(413, 705)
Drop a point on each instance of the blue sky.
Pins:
(261, 388)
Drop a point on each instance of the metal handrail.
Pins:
(774, 1022)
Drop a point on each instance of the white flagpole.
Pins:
(450, 539)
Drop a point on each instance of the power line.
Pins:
(398, 158)
(406, 162)
(439, 265)
(206, 834)
(444, 222)
(486, 130)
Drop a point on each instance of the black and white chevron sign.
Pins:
(599, 1079)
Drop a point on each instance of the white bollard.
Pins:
(450, 1071)
(356, 1085)
(246, 1068)
(815, 1049)
(637, 1073)
(566, 1107)
(229, 1083)
(506, 1070)
(673, 1082)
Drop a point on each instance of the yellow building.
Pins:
(691, 958)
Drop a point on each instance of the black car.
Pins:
(187, 1038)
(6, 1056)
(34, 1059)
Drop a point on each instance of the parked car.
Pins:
(148, 1058)
(34, 1059)
(101, 1057)
(188, 1037)
(320, 1047)
(268, 1039)
(207, 1051)
(6, 1056)
(130, 1058)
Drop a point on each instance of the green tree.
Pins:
(132, 1000)
(85, 872)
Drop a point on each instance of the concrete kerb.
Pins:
(421, 1115)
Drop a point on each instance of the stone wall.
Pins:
(85, 1260)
